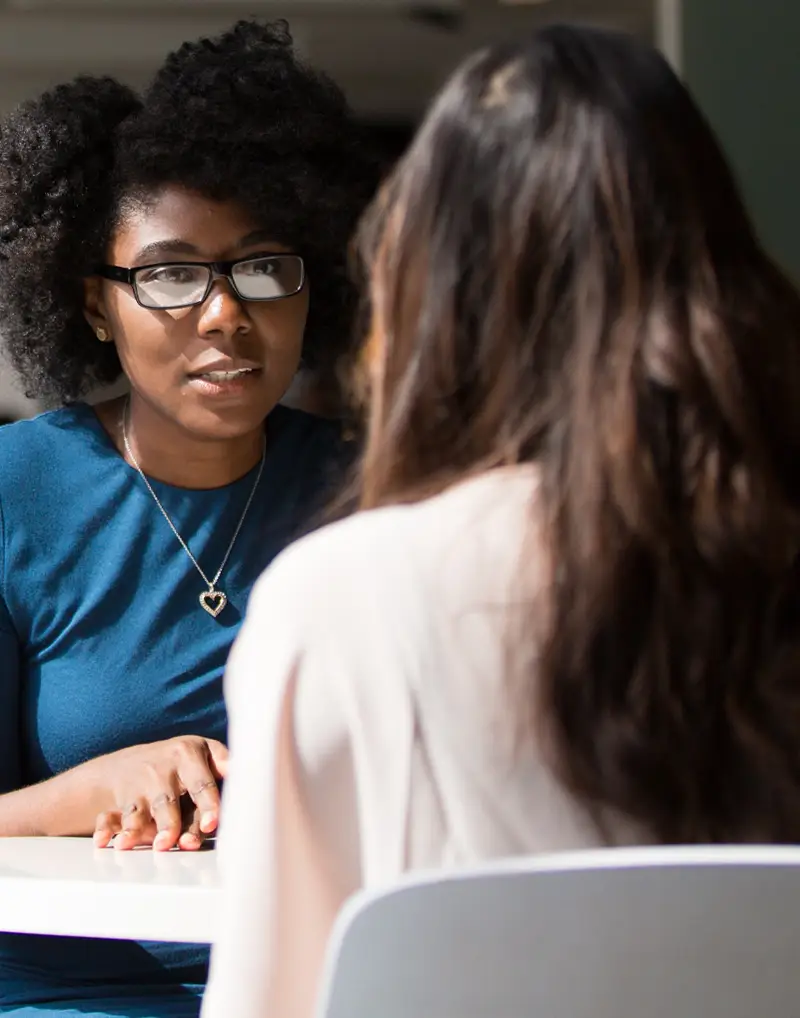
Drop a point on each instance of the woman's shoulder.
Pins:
(38, 446)
(307, 435)
(34, 433)
(301, 425)
(311, 454)
(448, 537)
(368, 606)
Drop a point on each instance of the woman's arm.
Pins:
(52, 807)
(46, 808)
(69, 804)
(134, 792)
(10, 756)
(281, 898)
(289, 829)
(61, 806)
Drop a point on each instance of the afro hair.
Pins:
(238, 118)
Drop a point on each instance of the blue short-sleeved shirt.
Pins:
(103, 644)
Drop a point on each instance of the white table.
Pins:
(67, 887)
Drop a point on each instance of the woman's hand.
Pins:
(165, 794)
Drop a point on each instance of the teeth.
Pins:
(225, 376)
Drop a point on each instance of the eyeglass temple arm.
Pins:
(116, 273)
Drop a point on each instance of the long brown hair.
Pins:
(562, 271)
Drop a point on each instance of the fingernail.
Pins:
(161, 841)
(100, 837)
(207, 820)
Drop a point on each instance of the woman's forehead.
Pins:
(181, 222)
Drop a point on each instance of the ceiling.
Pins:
(389, 55)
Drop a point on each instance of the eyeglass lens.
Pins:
(174, 285)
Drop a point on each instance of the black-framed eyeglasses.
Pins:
(171, 285)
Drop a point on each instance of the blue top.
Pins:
(103, 645)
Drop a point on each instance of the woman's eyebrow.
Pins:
(174, 246)
(159, 248)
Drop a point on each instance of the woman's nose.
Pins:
(223, 312)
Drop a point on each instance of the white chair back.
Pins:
(621, 933)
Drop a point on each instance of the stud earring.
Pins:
(102, 335)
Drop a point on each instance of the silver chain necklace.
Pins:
(211, 600)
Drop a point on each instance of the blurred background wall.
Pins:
(742, 60)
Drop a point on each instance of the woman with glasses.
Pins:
(567, 615)
(191, 241)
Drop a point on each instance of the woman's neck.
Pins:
(167, 452)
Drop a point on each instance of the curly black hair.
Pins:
(237, 118)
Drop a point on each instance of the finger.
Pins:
(138, 826)
(106, 827)
(142, 837)
(207, 800)
(192, 838)
(197, 779)
(166, 812)
(218, 757)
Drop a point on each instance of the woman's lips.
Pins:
(224, 383)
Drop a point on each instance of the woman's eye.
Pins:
(265, 268)
(173, 274)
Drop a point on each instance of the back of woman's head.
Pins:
(563, 272)
(238, 118)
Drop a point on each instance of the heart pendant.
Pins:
(213, 601)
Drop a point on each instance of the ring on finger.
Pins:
(204, 786)
(165, 799)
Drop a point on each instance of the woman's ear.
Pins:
(94, 308)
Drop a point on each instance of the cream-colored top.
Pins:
(375, 729)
